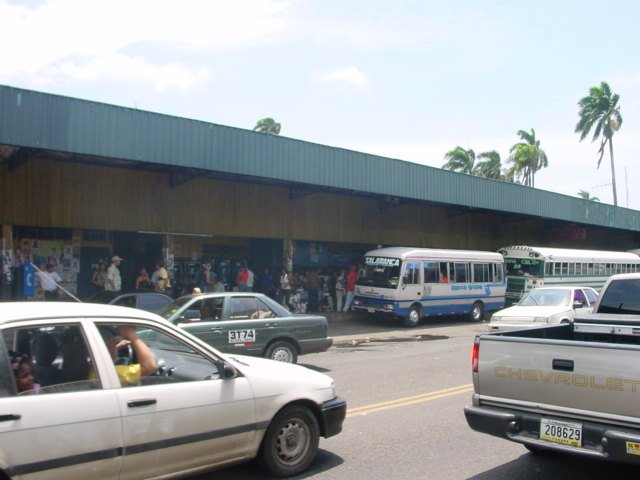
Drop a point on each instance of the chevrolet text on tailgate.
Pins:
(573, 388)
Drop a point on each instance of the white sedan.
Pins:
(82, 396)
(545, 305)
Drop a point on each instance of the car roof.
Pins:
(223, 294)
(555, 287)
(11, 311)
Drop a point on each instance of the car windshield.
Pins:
(173, 307)
(547, 297)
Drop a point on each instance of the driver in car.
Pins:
(129, 373)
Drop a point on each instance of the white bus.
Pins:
(530, 267)
(412, 283)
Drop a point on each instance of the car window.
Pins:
(592, 296)
(151, 301)
(263, 310)
(621, 296)
(242, 308)
(56, 356)
(175, 360)
(128, 301)
(578, 296)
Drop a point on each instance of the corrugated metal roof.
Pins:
(52, 122)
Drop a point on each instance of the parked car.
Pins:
(147, 300)
(196, 409)
(249, 323)
(545, 305)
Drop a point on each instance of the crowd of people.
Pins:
(300, 290)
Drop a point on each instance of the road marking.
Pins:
(403, 402)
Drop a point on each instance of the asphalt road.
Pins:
(406, 390)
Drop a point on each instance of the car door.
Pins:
(186, 417)
(248, 325)
(51, 431)
(581, 297)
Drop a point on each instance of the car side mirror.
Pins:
(228, 371)
(577, 304)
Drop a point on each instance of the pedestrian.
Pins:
(114, 280)
(267, 284)
(163, 283)
(143, 282)
(250, 279)
(218, 286)
(352, 276)
(49, 281)
(99, 277)
(313, 287)
(206, 278)
(242, 278)
(341, 290)
(285, 288)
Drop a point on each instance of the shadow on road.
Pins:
(531, 466)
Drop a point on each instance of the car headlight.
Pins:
(389, 307)
(357, 303)
(495, 319)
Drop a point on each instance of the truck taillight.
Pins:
(474, 355)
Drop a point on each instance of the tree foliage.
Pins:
(528, 157)
(587, 196)
(460, 160)
(267, 125)
(599, 110)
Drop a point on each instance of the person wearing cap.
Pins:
(114, 280)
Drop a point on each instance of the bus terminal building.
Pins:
(81, 181)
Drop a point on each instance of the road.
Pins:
(406, 390)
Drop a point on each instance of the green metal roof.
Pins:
(51, 122)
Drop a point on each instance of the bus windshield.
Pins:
(524, 267)
(383, 272)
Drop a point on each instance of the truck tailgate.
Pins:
(557, 375)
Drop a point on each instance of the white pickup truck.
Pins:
(573, 388)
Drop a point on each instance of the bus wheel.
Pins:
(413, 317)
(476, 314)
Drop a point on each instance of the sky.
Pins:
(403, 79)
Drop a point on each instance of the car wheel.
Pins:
(476, 314)
(282, 351)
(413, 317)
(291, 442)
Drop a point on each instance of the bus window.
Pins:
(548, 269)
(431, 272)
(480, 272)
(461, 273)
(572, 268)
(498, 273)
(412, 273)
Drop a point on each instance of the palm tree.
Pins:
(268, 125)
(587, 196)
(600, 108)
(489, 168)
(460, 160)
(528, 157)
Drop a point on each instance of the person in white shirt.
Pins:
(114, 281)
(49, 280)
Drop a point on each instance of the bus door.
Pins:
(411, 281)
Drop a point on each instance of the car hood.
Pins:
(269, 377)
(526, 313)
